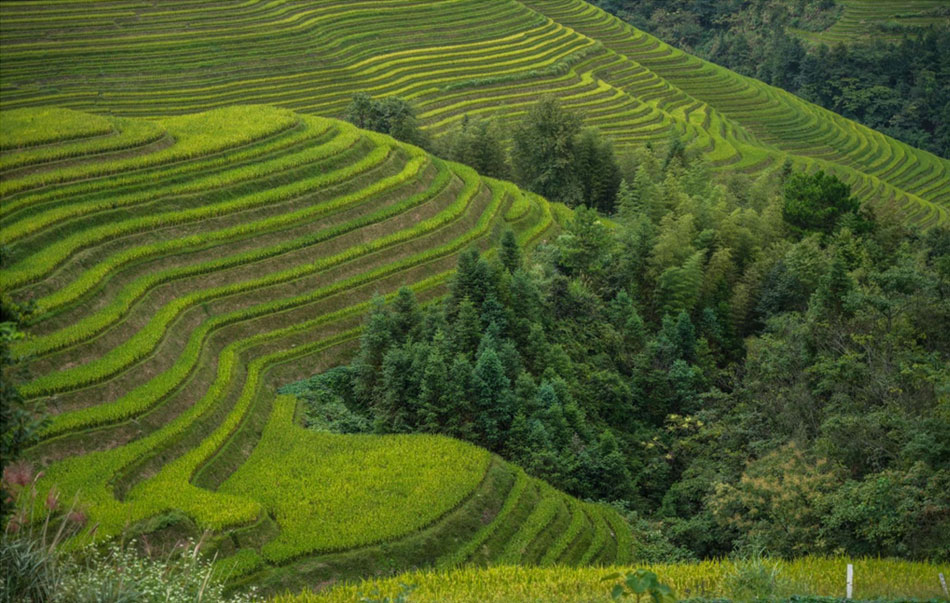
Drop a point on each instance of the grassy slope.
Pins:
(131, 59)
(181, 273)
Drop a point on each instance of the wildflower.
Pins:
(52, 499)
(77, 517)
(19, 473)
(13, 526)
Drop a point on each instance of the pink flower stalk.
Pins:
(19, 473)
(77, 517)
(13, 526)
(52, 499)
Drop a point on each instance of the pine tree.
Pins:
(614, 476)
(585, 247)
(597, 171)
(459, 408)
(466, 329)
(510, 359)
(510, 252)
(628, 202)
(685, 337)
(494, 316)
(493, 400)
(397, 396)
(473, 280)
(434, 389)
(374, 342)
(406, 316)
(525, 297)
(834, 290)
(517, 448)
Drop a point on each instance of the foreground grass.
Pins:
(874, 579)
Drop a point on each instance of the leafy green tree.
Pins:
(678, 288)
(543, 152)
(780, 501)
(893, 513)
(816, 202)
(628, 201)
(479, 144)
(597, 171)
(624, 361)
(390, 115)
(361, 111)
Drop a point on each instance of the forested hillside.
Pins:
(883, 64)
(737, 362)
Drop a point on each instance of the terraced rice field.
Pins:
(874, 579)
(867, 20)
(181, 268)
(133, 59)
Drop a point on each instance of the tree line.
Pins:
(737, 363)
(549, 151)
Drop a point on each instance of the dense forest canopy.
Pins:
(753, 364)
(901, 89)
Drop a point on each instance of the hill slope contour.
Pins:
(869, 20)
(451, 58)
(181, 268)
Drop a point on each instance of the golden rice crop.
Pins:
(874, 578)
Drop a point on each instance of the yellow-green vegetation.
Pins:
(176, 280)
(313, 58)
(874, 579)
(867, 20)
(37, 127)
(351, 490)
